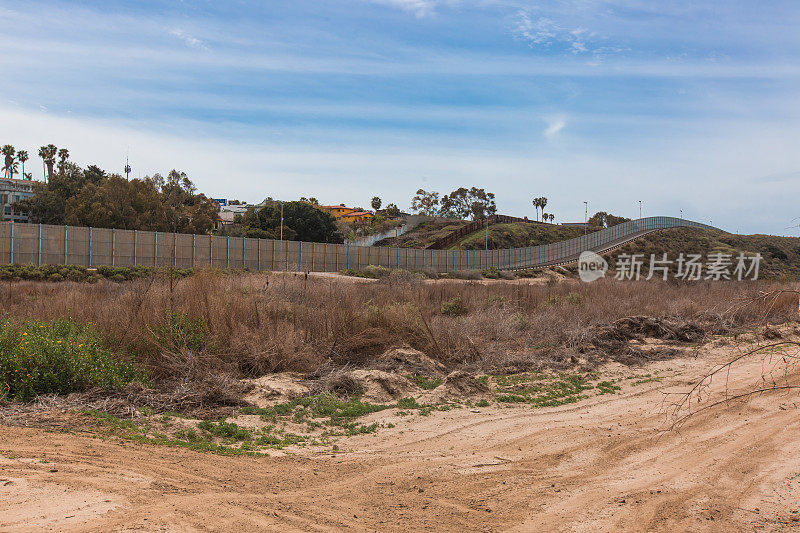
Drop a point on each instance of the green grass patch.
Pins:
(424, 382)
(542, 390)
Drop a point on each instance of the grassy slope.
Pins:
(424, 234)
(781, 255)
(517, 234)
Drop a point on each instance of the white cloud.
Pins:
(554, 126)
(189, 40)
(544, 32)
(420, 8)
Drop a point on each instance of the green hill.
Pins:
(780, 255)
(517, 235)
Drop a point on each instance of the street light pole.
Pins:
(281, 219)
(640, 209)
(681, 214)
(586, 218)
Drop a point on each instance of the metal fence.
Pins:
(41, 244)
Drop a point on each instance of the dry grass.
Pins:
(247, 325)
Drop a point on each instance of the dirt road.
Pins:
(600, 465)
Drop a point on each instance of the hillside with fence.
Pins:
(41, 244)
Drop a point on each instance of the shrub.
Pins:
(467, 274)
(491, 273)
(59, 357)
(181, 332)
(454, 307)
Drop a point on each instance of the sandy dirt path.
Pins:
(604, 464)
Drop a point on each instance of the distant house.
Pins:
(357, 216)
(347, 214)
(11, 191)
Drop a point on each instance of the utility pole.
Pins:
(486, 243)
(127, 168)
(681, 214)
(640, 209)
(281, 219)
(586, 218)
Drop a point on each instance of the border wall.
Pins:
(42, 244)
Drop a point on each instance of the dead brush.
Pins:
(259, 323)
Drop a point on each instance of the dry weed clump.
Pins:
(247, 325)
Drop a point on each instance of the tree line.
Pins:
(473, 203)
(92, 197)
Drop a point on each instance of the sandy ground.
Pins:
(605, 464)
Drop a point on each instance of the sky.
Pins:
(686, 106)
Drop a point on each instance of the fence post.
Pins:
(39, 250)
(348, 256)
(113, 247)
(244, 265)
(337, 257)
(227, 252)
(90, 247)
(301, 257)
(313, 247)
(174, 249)
(325, 257)
(211, 251)
(12, 240)
(259, 255)
(194, 240)
(273, 255)
(287, 256)
(134, 248)
(155, 248)
(65, 245)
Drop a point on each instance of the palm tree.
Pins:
(43, 155)
(8, 151)
(376, 203)
(543, 203)
(552, 216)
(13, 169)
(63, 155)
(48, 155)
(536, 205)
(22, 155)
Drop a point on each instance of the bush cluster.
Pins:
(77, 273)
(58, 357)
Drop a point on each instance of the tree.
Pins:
(63, 156)
(305, 222)
(473, 202)
(48, 155)
(606, 220)
(185, 211)
(552, 216)
(22, 156)
(392, 210)
(542, 203)
(425, 203)
(544, 216)
(376, 203)
(116, 203)
(535, 203)
(8, 151)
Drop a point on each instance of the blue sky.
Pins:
(691, 105)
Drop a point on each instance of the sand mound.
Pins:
(408, 359)
(382, 387)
